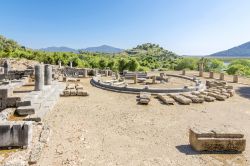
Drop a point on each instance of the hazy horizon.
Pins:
(185, 27)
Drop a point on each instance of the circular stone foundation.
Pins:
(190, 84)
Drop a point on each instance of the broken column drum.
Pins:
(183, 72)
(235, 79)
(39, 78)
(60, 64)
(106, 73)
(222, 75)
(6, 66)
(70, 64)
(135, 79)
(47, 74)
(201, 70)
(153, 79)
(85, 73)
(211, 74)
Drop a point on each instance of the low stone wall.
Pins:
(16, 74)
(95, 81)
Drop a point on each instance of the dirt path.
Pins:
(108, 128)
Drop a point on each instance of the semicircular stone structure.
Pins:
(97, 82)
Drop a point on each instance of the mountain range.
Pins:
(101, 49)
(238, 51)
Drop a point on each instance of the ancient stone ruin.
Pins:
(213, 140)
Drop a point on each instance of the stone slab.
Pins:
(15, 134)
(25, 110)
(216, 140)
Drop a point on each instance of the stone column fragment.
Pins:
(135, 79)
(39, 77)
(211, 74)
(183, 72)
(47, 74)
(222, 75)
(235, 79)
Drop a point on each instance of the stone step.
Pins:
(25, 110)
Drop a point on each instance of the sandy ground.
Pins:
(108, 128)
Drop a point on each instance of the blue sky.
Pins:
(190, 27)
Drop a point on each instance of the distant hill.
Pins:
(239, 51)
(154, 50)
(103, 49)
(58, 49)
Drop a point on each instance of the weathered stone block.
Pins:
(66, 92)
(165, 99)
(72, 92)
(4, 93)
(81, 92)
(25, 110)
(23, 103)
(215, 141)
(79, 87)
(16, 134)
(12, 101)
(235, 78)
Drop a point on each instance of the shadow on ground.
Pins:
(187, 149)
(244, 92)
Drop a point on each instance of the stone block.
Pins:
(181, 99)
(165, 99)
(211, 74)
(23, 103)
(3, 104)
(71, 86)
(25, 110)
(66, 92)
(235, 79)
(216, 141)
(15, 134)
(73, 92)
(12, 101)
(79, 87)
(81, 92)
(4, 93)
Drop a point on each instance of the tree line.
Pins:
(143, 57)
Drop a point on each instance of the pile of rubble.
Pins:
(74, 89)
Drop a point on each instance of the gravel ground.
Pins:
(108, 128)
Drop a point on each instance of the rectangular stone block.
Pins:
(23, 103)
(81, 92)
(165, 99)
(15, 134)
(70, 86)
(25, 110)
(3, 104)
(181, 99)
(79, 87)
(73, 92)
(216, 141)
(3, 94)
(66, 92)
(12, 101)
